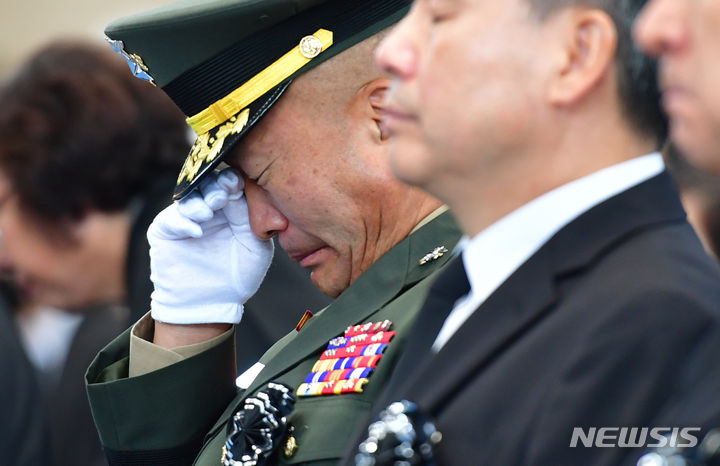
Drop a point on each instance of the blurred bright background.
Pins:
(25, 25)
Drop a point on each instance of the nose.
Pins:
(661, 27)
(397, 54)
(266, 220)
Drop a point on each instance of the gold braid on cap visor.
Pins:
(225, 111)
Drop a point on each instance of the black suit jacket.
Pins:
(602, 327)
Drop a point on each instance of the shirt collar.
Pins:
(492, 255)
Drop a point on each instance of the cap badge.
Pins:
(310, 46)
(348, 361)
(435, 254)
(137, 67)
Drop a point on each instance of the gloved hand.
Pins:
(205, 262)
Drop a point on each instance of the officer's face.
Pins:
(685, 36)
(84, 267)
(316, 180)
(466, 77)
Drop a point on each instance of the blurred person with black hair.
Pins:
(86, 152)
(87, 158)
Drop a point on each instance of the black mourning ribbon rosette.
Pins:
(402, 436)
(259, 427)
(706, 453)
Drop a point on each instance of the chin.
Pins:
(329, 282)
(410, 170)
(328, 290)
(700, 151)
(69, 302)
(706, 158)
(322, 284)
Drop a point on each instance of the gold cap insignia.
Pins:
(310, 46)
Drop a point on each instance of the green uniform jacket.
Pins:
(165, 416)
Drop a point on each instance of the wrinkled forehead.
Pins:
(288, 126)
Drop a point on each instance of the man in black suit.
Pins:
(587, 299)
(683, 35)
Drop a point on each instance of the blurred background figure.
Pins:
(27, 26)
(700, 195)
(89, 155)
(684, 35)
(22, 429)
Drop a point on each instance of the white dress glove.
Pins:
(205, 262)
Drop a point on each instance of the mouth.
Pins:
(392, 118)
(395, 113)
(674, 93)
(674, 98)
(311, 258)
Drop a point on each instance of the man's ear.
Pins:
(588, 55)
(371, 99)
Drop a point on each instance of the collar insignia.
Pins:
(435, 254)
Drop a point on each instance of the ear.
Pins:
(370, 103)
(589, 53)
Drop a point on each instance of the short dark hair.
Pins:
(79, 133)
(636, 72)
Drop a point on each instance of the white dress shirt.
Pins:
(498, 251)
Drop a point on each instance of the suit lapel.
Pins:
(529, 294)
(504, 317)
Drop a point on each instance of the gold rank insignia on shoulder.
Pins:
(348, 361)
(435, 254)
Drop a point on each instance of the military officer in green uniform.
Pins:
(287, 94)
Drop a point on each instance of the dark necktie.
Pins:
(451, 285)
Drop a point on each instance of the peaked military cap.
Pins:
(226, 62)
